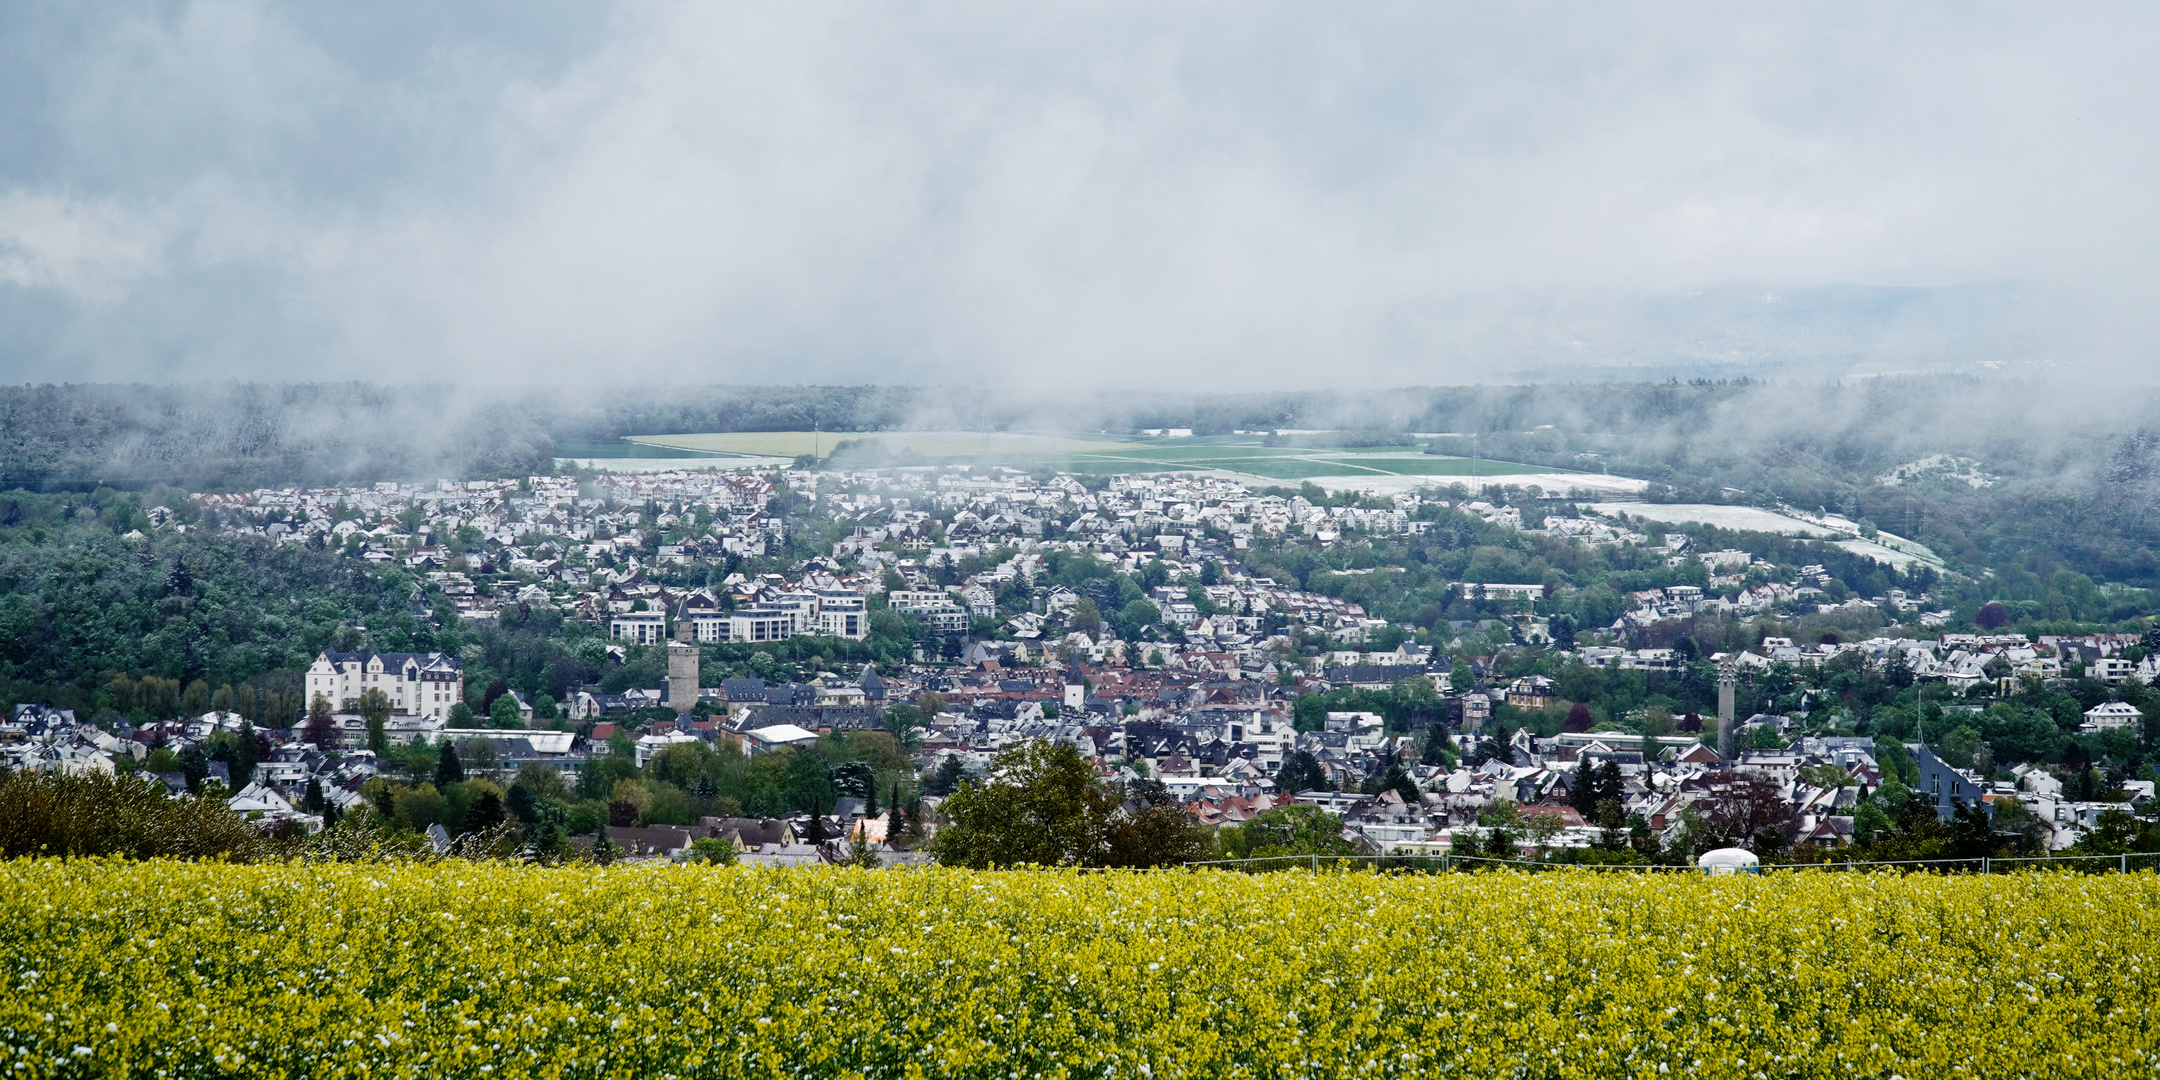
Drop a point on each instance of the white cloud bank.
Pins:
(1184, 195)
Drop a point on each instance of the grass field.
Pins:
(460, 970)
(929, 444)
(1107, 454)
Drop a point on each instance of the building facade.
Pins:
(640, 628)
(827, 613)
(417, 684)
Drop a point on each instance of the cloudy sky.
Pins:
(1087, 194)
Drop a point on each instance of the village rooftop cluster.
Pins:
(1203, 700)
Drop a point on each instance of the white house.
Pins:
(2109, 715)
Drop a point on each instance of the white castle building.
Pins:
(418, 684)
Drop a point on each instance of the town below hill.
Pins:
(784, 664)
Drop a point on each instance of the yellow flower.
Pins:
(464, 970)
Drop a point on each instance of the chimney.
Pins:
(1727, 738)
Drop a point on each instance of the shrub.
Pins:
(44, 813)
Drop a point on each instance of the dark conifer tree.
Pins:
(1582, 788)
(447, 768)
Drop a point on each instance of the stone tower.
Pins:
(682, 676)
(1727, 736)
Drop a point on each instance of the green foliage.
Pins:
(1295, 830)
(94, 814)
(1039, 806)
(716, 852)
(78, 603)
(448, 770)
(1042, 805)
(1301, 771)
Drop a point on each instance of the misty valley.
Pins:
(1045, 672)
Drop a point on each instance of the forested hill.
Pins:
(243, 435)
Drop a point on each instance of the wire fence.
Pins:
(1448, 862)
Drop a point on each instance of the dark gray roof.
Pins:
(813, 717)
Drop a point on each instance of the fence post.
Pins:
(1316, 863)
(1983, 864)
(2125, 862)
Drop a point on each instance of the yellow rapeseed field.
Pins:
(469, 970)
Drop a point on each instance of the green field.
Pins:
(1241, 454)
(928, 444)
(1301, 463)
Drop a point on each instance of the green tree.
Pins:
(485, 813)
(1154, 835)
(447, 768)
(1039, 806)
(195, 766)
(419, 807)
(1414, 700)
(1083, 617)
(1437, 751)
(708, 849)
(1583, 788)
(321, 727)
(1610, 788)
(1609, 822)
(946, 778)
(1309, 712)
(1301, 771)
(806, 784)
(375, 707)
(1291, 830)
(1503, 827)
(904, 722)
(504, 713)
(1397, 779)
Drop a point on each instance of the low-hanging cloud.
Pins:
(1193, 195)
